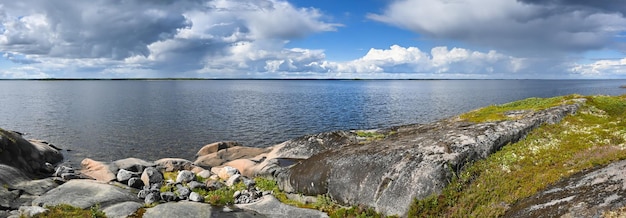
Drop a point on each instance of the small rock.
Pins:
(227, 209)
(62, 169)
(151, 175)
(30, 211)
(135, 182)
(152, 198)
(156, 186)
(196, 197)
(124, 175)
(195, 184)
(183, 192)
(168, 196)
(214, 185)
(237, 194)
(205, 174)
(248, 182)
(69, 176)
(214, 177)
(185, 176)
(143, 193)
(227, 172)
(234, 179)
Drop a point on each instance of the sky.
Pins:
(347, 39)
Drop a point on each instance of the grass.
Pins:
(498, 112)
(595, 136)
(64, 210)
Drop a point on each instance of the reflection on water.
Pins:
(108, 120)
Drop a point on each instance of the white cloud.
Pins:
(601, 68)
(508, 25)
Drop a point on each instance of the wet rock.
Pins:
(174, 164)
(194, 196)
(124, 175)
(151, 176)
(185, 176)
(586, 194)
(135, 182)
(84, 194)
(122, 210)
(98, 170)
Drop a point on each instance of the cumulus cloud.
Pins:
(601, 68)
(521, 27)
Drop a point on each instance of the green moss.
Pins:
(498, 112)
(595, 136)
(64, 210)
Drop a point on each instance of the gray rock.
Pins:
(84, 194)
(122, 210)
(47, 168)
(69, 176)
(168, 196)
(30, 211)
(135, 183)
(155, 186)
(124, 175)
(271, 207)
(195, 184)
(586, 194)
(234, 179)
(183, 192)
(61, 170)
(185, 176)
(27, 156)
(184, 209)
(36, 187)
(227, 172)
(194, 196)
(237, 194)
(151, 175)
(174, 164)
(7, 197)
(415, 162)
(11, 175)
(152, 197)
(132, 164)
(248, 182)
(213, 185)
(205, 174)
(143, 193)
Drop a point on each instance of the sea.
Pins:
(108, 120)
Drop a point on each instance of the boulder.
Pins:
(306, 146)
(61, 170)
(11, 175)
(183, 193)
(229, 154)
(186, 209)
(174, 164)
(124, 175)
(84, 194)
(151, 175)
(131, 164)
(36, 187)
(245, 166)
(135, 183)
(27, 156)
(215, 147)
(122, 210)
(185, 176)
(415, 162)
(168, 196)
(205, 174)
(98, 170)
(586, 194)
(271, 207)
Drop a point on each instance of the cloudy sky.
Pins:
(520, 39)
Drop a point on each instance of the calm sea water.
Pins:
(109, 120)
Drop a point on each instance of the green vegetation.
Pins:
(323, 203)
(371, 135)
(498, 112)
(594, 137)
(64, 210)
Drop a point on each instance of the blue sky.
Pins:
(418, 39)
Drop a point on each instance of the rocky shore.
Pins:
(381, 169)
